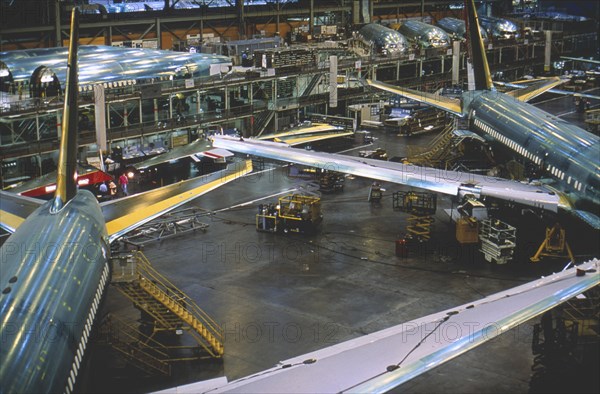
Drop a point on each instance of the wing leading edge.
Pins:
(453, 183)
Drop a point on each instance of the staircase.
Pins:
(437, 150)
(261, 121)
(311, 85)
(140, 350)
(168, 306)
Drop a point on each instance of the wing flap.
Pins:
(128, 213)
(534, 90)
(443, 103)
(14, 209)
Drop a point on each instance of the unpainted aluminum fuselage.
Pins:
(569, 154)
(54, 270)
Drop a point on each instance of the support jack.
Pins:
(555, 245)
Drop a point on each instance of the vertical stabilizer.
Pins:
(481, 69)
(66, 182)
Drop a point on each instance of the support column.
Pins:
(158, 34)
(241, 18)
(37, 127)
(548, 50)
(57, 32)
(100, 117)
(356, 12)
(311, 18)
(58, 124)
(455, 62)
(155, 109)
(141, 113)
(277, 31)
(333, 70)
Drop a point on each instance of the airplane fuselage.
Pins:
(567, 153)
(54, 271)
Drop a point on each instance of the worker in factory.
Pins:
(113, 189)
(124, 181)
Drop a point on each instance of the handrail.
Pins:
(146, 270)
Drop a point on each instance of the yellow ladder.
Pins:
(202, 327)
(215, 347)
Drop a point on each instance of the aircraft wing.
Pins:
(380, 361)
(453, 183)
(315, 128)
(127, 213)
(444, 103)
(555, 91)
(298, 140)
(175, 154)
(534, 90)
(14, 209)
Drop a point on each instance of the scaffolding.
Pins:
(166, 226)
(498, 240)
(421, 206)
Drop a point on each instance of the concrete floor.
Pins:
(281, 296)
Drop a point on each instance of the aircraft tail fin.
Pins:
(534, 90)
(444, 103)
(66, 182)
(481, 69)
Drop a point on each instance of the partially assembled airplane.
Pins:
(567, 153)
(55, 266)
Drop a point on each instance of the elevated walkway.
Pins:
(167, 307)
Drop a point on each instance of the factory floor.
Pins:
(280, 296)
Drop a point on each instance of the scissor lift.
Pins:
(421, 206)
(498, 240)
